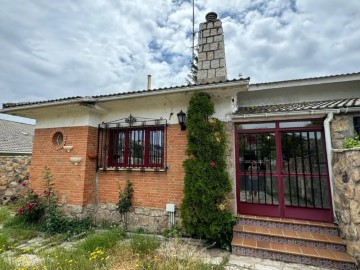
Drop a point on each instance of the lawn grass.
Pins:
(5, 214)
(103, 240)
(106, 249)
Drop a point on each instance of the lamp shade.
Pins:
(182, 119)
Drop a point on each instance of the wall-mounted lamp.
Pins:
(182, 118)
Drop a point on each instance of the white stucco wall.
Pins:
(153, 106)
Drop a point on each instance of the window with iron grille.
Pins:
(132, 143)
(137, 147)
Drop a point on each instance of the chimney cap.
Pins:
(211, 17)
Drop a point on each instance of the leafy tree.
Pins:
(204, 207)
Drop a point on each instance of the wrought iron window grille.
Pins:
(132, 143)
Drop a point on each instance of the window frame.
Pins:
(127, 153)
(153, 133)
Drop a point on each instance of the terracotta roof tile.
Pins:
(301, 106)
(12, 105)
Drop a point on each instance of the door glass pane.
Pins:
(260, 148)
(301, 124)
(257, 161)
(260, 189)
(306, 191)
(255, 126)
(303, 153)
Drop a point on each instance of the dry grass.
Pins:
(173, 254)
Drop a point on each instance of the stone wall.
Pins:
(346, 170)
(341, 128)
(346, 179)
(230, 161)
(13, 171)
(138, 218)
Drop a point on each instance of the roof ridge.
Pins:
(17, 122)
(308, 78)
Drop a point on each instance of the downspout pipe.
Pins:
(327, 132)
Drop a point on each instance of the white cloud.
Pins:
(53, 49)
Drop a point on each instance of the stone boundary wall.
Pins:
(153, 220)
(346, 181)
(13, 171)
(346, 170)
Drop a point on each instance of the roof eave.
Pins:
(129, 95)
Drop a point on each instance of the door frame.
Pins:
(281, 210)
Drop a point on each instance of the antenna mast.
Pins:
(193, 31)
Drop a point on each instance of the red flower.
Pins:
(24, 183)
(20, 211)
(212, 164)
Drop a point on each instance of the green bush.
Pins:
(352, 142)
(204, 207)
(125, 197)
(32, 210)
(56, 222)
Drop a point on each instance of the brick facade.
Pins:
(76, 185)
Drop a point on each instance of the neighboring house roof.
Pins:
(131, 93)
(306, 79)
(301, 106)
(16, 137)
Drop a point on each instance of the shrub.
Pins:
(32, 210)
(352, 142)
(203, 210)
(125, 197)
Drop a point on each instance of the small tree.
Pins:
(193, 63)
(125, 201)
(204, 207)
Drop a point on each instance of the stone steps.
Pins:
(311, 243)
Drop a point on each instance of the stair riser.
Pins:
(265, 254)
(291, 241)
(289, 226)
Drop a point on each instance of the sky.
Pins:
(57, 49)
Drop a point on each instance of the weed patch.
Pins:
(143, 243)
(105, 240)
(4, 214)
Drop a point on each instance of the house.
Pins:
(16, 141)
(285, 156)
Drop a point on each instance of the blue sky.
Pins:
(56, 49)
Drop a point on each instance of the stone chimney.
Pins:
(211, 58)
